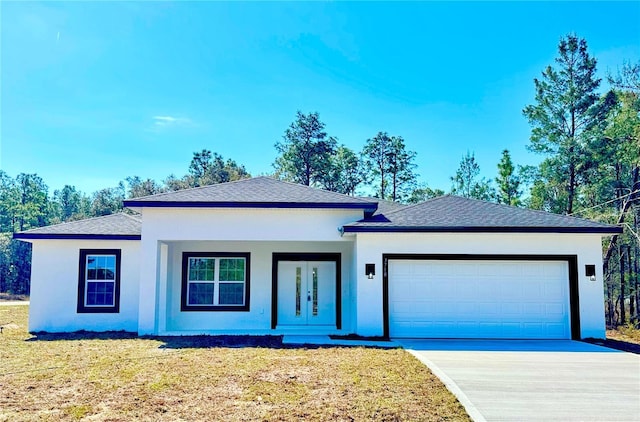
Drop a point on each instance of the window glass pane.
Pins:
(109, 274)
(231, 269)
(101, 267)
(231, 293)
(102, 262)
(200, 293)
(91, 268)
(201, 269)
(100, 293)
(111, 263)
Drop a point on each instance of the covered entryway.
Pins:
(508, 297)
(306, 290)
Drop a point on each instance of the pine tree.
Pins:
(508, 182)
(566, 115)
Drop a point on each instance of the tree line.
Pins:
(588, 140)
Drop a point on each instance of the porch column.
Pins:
(161, 314)
(149, 272)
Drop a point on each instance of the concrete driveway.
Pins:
(529, 380)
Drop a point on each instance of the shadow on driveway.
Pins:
(504, 345)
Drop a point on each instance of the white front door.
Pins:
(306, 293)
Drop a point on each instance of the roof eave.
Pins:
(234, 204)
(75, 236)
(474, 229)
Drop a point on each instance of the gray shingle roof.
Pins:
(456, 214)
(384, 206)
(115, 226)
(263, 192)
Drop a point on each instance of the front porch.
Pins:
(277, 288)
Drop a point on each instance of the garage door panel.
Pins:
(533, 292)
(553, 290)
(554, 330)
(553, 310)
(537, 310)
(558, 271)
(534, 269)
(478, 299)
(486, 308)
(509, 289)
(465, 270)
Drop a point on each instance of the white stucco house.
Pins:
(262, 256)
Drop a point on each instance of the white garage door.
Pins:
(479, 299)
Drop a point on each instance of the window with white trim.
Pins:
(215, 281)
(99, 281)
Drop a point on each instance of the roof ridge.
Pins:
(260, 183)
(407, 207)
(365, 198)
(137, 217)
(311, 187)
(194, 188)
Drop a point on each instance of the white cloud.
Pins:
(167, 121)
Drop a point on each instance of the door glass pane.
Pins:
(298, 289)
(315, 291)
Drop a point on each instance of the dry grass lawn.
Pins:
(93, 377)
(626, 333)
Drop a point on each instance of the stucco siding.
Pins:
(54, 287)
(308, 225)
(371, 246)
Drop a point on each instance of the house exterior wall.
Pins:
(54, 287)
(371, 246)
(267, 224)
(151, 268)
(171, 320)
(308, 230)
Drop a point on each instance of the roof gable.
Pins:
(258, 192)
(456, 214)
(119, 226)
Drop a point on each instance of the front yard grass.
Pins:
(626, 333)
(120, 377)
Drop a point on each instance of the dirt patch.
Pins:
(8, 297)
(358, 337)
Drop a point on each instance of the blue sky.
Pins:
(93, 92)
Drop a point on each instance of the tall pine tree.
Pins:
(566, 115)
(305, 150)
(508, 181)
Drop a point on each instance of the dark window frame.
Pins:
(82, 308)
(184, 305)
